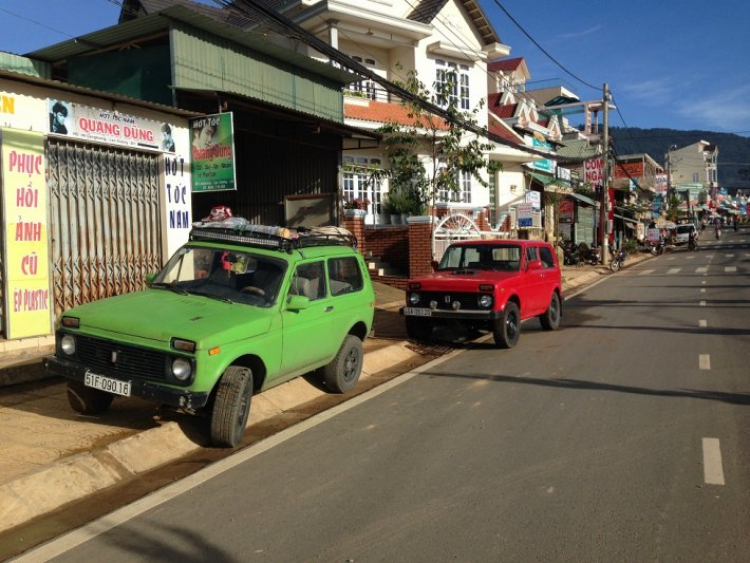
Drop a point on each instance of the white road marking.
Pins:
(704, 361)
(702, 323)
(670, 258)
(701, 270)
(703, 282)
(673, 271)
(713, 470)
(702, 304)
(729, 255)
(690, 257)
(730, 269)
(645, 272)
(703, 290)
(120, 516)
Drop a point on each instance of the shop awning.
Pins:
(626, 219)
(584, 199)
(550, 183)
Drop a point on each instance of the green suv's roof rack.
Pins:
(278, 238)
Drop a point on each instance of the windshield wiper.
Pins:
(170, 286)
(210, 296)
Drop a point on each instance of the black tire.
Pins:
(418, 329)
(86, 400)
(507, 330)
(231, 407)
(550, 319)
(342, 374)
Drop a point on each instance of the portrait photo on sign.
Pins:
(59, 113)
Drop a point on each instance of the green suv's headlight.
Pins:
(414, 298)
(181, 369)
(485, 301)
(68, 344)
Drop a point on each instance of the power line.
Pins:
(542, 49)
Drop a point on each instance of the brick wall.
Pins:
(390, 244)
(356, 226)
(420, 248)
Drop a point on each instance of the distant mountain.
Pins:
(734, 150)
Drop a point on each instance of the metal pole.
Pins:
(605, 180)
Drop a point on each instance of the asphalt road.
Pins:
(621, 437)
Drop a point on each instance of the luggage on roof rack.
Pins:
(279, 238)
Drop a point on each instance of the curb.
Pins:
(76, 477)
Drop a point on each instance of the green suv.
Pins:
(234, 312)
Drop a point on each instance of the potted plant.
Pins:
(355, 207)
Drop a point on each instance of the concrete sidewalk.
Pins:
(53, 456)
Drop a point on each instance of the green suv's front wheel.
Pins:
(86, 400)
(231, 407)
(342, 374)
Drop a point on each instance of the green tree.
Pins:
(429, 139)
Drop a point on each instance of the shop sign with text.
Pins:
(212, 152)
(106, 126)
(27, 299)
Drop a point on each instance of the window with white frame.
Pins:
(356, 182)
(452, 79)
(462, 195)
(366, 88)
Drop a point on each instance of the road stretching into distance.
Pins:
(621, 437)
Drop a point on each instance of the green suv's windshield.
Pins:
(236, 277)
(482, 257)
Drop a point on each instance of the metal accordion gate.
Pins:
(105, 231)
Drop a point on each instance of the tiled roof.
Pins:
(503, 112)
(383, 112)
(132, 9)
(578, 149)
(426, 11)
(505, 64)
(503, 132)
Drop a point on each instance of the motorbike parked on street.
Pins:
(588, 255)
(618, 259)
(571, 256)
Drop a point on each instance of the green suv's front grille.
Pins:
(120, 359)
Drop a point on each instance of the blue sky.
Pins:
(681, 64)
(677, 64)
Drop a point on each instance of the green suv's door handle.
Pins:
(329, 308)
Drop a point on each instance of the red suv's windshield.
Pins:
(482, 257)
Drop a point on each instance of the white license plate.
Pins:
(107, 384)
(417, 311)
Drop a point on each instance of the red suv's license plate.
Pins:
(417, 311)
(108, 384)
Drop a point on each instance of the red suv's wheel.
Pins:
(507, 329)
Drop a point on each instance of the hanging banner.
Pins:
(212, 150)
(27, 299)
(107, 126)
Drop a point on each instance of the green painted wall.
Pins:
(203, 61)
(142, 73)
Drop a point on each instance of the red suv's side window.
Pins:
(545, 255)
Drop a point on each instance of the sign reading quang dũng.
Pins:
(27, 299)
(212, 153)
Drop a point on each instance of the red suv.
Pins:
(491, 285)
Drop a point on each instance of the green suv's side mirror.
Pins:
(297, 302)
(151, 277)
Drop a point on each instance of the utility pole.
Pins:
(604, 228)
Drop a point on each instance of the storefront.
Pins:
(95, 196)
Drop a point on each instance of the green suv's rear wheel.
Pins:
(507, 329)
(86, 400)
(342, 374)
(231, 407)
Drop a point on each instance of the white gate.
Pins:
(452, 228)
